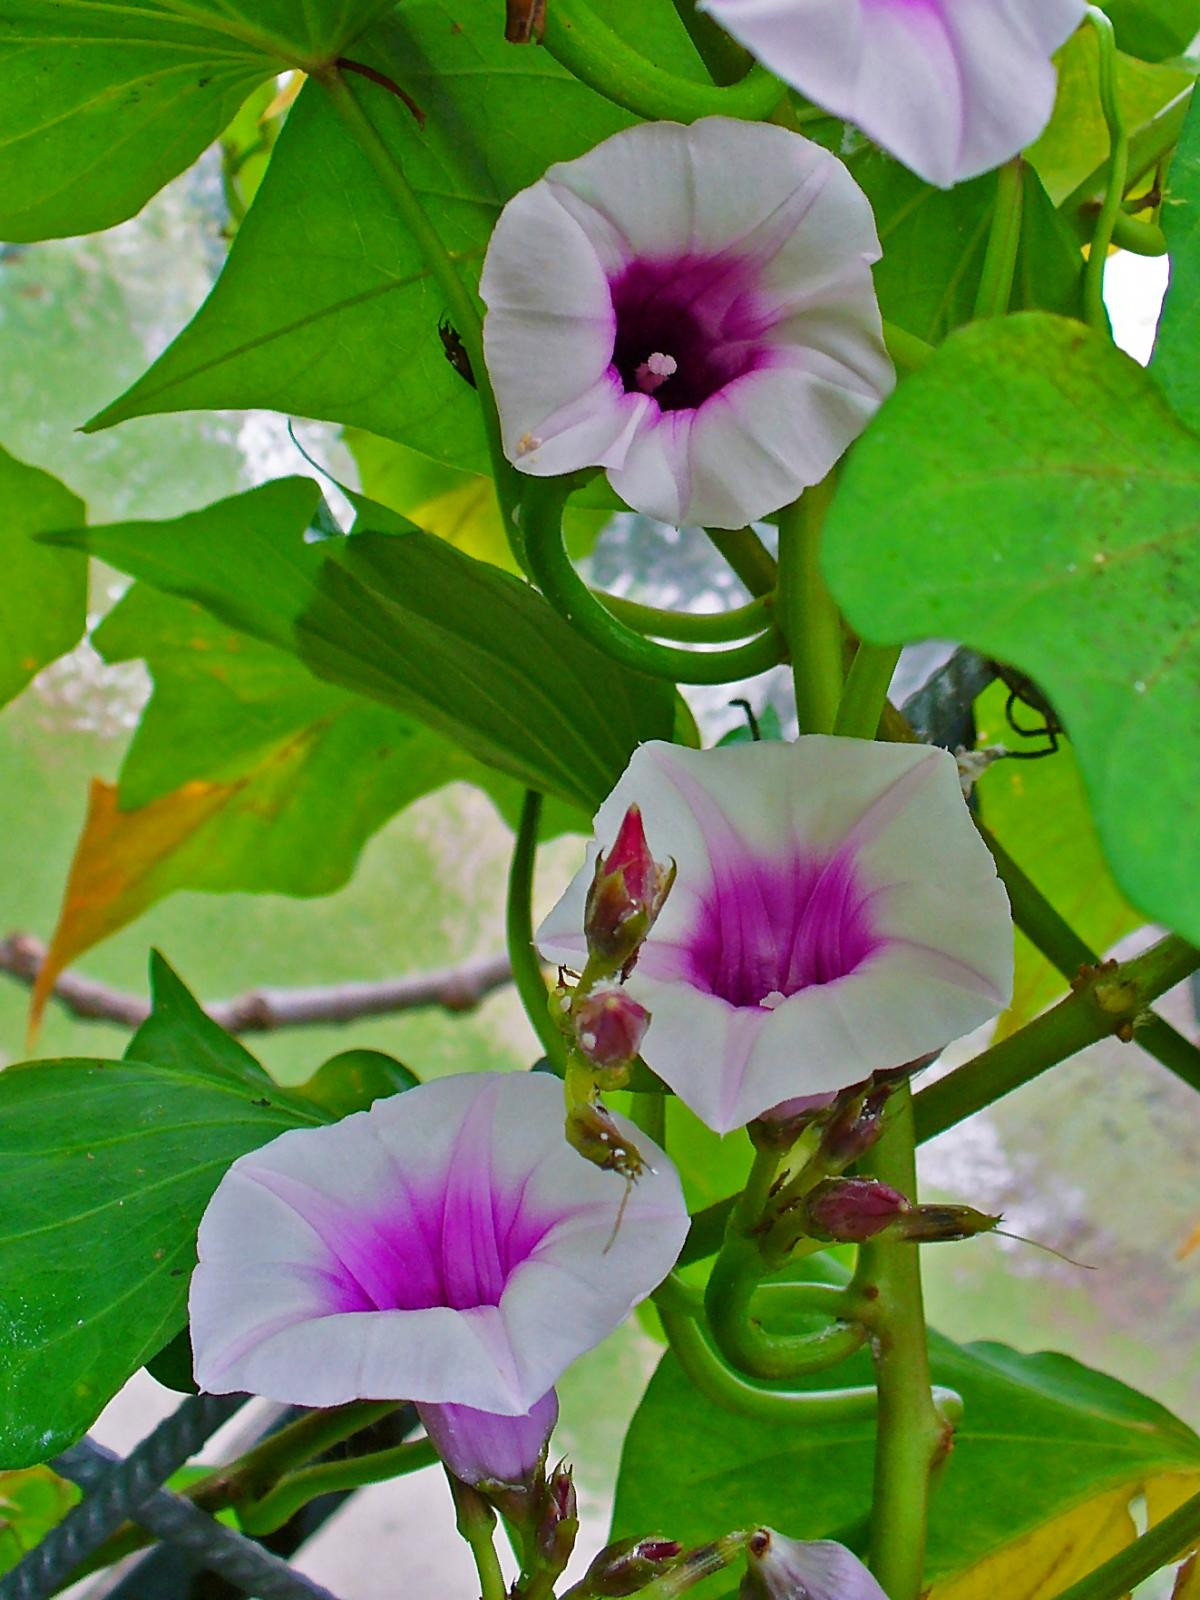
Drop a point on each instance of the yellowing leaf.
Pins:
(1187, 1585)
(32, 1501)
(1052, 1557)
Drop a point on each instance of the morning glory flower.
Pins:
(692, 309)
(950, 87)
(446, 1247)
(834, 914)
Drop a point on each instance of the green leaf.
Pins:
(1039, 812)
(326, 307)
(1039, 502)
(31, 1503)
(407, 620)
(43, 599)
(105, 1169)
(1174, 363)
(354, 1080)
(101, 104)
(172, 1365)
(1041, 1439)
(180, 1034)
(1075, 142)
(1154, 29)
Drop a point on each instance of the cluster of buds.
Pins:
(853, 1210)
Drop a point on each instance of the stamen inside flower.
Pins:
(652, 374)
(767, 929)
(687, 326)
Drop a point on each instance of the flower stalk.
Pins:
(527, 969)
(1118, 171)
(808, 613)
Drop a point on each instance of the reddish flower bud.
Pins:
(610, 1027)
(626, 894)
(628, 1566)
(854, 1127)
(784, 1569)
(851, 1210)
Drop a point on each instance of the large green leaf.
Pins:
(1030, 493)
(101, 104)
(1174, 363)
(1046, 1454)
(105, 1169)
(326, 307)
(43, 598)
(1154, 29)
(407, 620)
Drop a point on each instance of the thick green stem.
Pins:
(808, 614)
(541, 516)
(1004, 242)
(295, 1491)
(911, 1434)
(1118, 170)
(726, 60)
(866, 690)
(596, 55)
(1062, 946)
(1108, 1000)
(1166, 1542)
(692, 627)
(461, 304)
(527, 969)
(748, 556)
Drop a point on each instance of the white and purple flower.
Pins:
(445, 1247)
(834, 914)
(786, 1569)
(692, 309)
(949, 87)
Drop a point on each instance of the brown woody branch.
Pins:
(262, 1010)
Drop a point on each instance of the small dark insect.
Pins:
(456, 351)
(1023, 691)
(260, 1103)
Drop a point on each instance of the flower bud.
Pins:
(558, 1520)
(854, 1128)
(852, 1210)
(626, 895)
(627, 1566)
(592, 1132)
(486, 1450)
(610, 1027)
(784, 1569)
(779, 1127)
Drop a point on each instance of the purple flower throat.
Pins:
(686, 326)
(768, 928)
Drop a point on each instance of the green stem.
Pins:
(735, 1392)
(1137, 237)
(1004, 242)
(808, 615)
(694, 627)
(1108, 1000)
(907, 351)
(748, 556)
(1152, 143)
(476, 1523)
(596, 55)
(736, 1278)
(911, 1434)
(461, 304)
(541, 512)
(866, 690)
(695, 1567)
(1166, 1542)
(527, 969)
(649, 1113)
(295, 1491)
(725, 59)
(1064, 949)
(1118, 171)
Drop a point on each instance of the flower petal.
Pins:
(400, 1252)
(950, 87)
(478, 1446)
